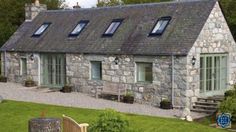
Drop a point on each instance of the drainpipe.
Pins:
(172, 80)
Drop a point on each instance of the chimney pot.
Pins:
(37, 3)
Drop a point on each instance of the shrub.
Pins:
(110, 121)
(230, 93)
(165, 104)
(229, 106)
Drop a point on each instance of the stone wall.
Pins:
(123, 74)
(13, 67)
(78, 73)
(214, 38)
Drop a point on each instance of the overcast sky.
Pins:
(82, 3)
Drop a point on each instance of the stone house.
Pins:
(174, 50)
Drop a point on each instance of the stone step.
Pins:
(206, 103)
(207, 107)
(203, 110)
(210, 99)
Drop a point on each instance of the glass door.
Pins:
(213, 73)
(53, 70)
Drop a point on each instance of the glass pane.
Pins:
(202, 74)
(144, 72)
(41, 29)
(23, 66)
(96, 70)
(112, 28)
(223, 72)
(216, 73)
(78, 28)
(160, 26)
(208, 73)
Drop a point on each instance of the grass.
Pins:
(14, 116)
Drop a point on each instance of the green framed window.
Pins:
(23, 66)
(53, 70)
(96, 70)
(213, 72)
(144, 72)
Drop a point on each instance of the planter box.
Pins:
(29, 83)
(66, 89)
(166, 105)
(3, 79)
(128, 99)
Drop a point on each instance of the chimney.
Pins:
(33, 9)
(76, 6)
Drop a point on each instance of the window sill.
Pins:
(140, 82)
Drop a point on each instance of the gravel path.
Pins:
(13, 91)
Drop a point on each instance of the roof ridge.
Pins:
(130, 5)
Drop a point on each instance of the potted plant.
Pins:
(166, 104)
(29, 82)
(128, 97)
(3, 79)
(67, 88)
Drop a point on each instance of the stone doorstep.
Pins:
(203, 111)
(205, 107)
(205, 103)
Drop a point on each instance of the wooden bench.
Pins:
(70, 125)
(113, 89)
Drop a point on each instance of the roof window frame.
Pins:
(38, 35)
(80, 22)
(111, 34)
(168, 18)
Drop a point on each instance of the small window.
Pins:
(113, 27)
(23, 66)
(41, 29)
(144, 72)
(79, 28)
(96, 70)
(160, 26)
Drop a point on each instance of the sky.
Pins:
(82, 3)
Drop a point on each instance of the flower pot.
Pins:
(29, 84)
(166, 105)
(3, 79)
(67, 89)
(128, 99)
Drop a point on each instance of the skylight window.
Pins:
(79, 27)
(160, 26)
(113, 27)
(41, 29)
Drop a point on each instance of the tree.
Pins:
(108, 3)
(142, 1)
(229, 11)
(124, 2)
(12, 15)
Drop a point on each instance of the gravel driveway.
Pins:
(13, 91)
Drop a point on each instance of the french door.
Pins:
(53, 70)
(213, 74)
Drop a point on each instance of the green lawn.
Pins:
(14, 117)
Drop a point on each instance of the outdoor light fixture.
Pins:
(193, 61)
(32, 57)
(116, 60)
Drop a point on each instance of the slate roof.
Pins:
(188, 18)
